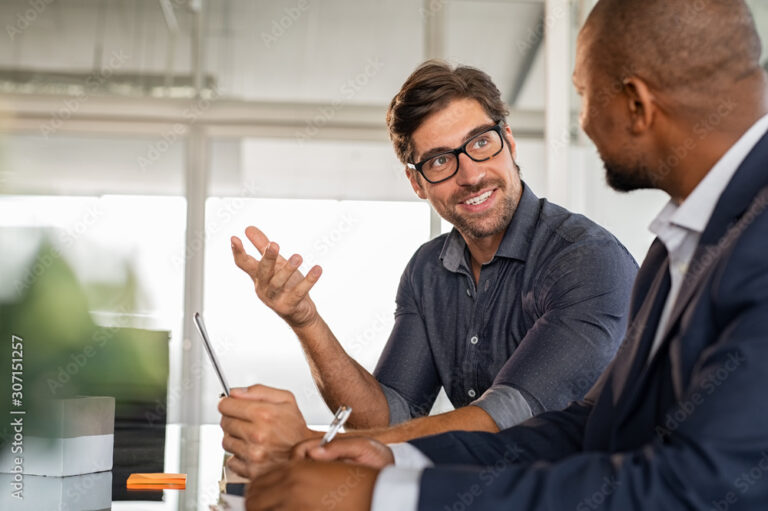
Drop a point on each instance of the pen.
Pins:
(342, 414)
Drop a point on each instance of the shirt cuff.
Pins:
(408, 456)
(506, 406)
(399, 411)
(397, 488)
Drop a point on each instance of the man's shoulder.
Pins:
(559, 230)
(429, 253)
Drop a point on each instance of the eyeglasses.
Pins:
(444, 166)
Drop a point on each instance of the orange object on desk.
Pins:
(156, 482)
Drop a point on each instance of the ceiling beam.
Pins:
(48, 114)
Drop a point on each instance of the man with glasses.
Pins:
(516, 311)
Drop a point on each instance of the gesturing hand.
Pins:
(278, 282)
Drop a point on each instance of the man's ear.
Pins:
(510, 140)
(416, 182)
(640, 103)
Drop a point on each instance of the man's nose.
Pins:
(470, 172)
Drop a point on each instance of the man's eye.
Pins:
(438, 162)
(480, 142)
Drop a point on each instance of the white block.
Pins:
(80, 441)
(90, 492)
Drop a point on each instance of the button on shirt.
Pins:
(540, 326)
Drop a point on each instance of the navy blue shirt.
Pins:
(544, 320)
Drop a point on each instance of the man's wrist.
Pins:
(307, 325)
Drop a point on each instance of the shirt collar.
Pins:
(695, 212)
(515, 243)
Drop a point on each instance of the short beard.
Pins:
(499, 223)
(625, 178)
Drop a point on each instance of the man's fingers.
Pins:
(267, 264)
(258, 238)
(284, 273)
(302, 288)
(238, 466)
(230, 407)
(300, 450)
(263, 393)
(340, 449)
(237, 428)
(243, 261)
(235, 446)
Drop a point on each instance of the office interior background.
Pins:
(137, 136)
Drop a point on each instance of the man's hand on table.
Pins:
(261, 425)
(278, 281)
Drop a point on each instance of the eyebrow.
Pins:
(443, 149)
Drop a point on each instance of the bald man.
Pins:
(674, 97)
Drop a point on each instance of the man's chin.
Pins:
(626, 180)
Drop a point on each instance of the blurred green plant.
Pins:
(66, 354)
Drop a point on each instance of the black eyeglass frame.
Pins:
(498, 127)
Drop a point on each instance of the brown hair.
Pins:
(429, 89)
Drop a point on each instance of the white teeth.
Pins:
(479, 199)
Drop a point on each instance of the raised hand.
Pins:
(278, 281)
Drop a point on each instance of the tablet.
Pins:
(211, 354)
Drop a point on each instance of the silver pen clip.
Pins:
(342, 414)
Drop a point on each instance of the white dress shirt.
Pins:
(679, 227)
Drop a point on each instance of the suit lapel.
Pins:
(746, 183)
(653, 283)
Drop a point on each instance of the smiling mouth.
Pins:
(476, 201)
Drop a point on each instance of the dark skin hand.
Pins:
(350, 449)
(306, 485)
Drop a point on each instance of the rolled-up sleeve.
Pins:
(506, 406)
(406, 369)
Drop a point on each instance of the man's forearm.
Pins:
(468, 418)
(340, 379)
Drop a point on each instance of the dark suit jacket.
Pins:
(687, 431)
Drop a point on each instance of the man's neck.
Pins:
(482, 250)
(711, 147)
